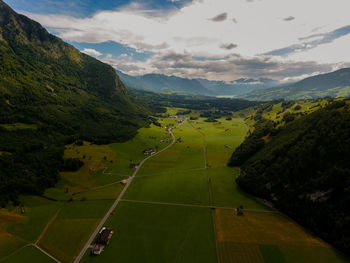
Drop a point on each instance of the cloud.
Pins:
(260, 34)
(289, 18)
(230, 68)
(91, 52)
(312, 41)
(228, 46)
(219, 18)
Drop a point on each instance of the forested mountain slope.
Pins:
(303, 168)
(333, 84)
(51, 94)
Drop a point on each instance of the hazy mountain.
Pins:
(163, 83)
(238, 87)
(334, 84)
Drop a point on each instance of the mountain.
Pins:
(50, 95)
(238, 87)
(163, 83)
(334, 84)
(302, 167)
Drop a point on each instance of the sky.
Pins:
(285, 40)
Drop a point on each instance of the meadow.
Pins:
(178, 208)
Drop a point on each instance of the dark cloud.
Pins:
(310, 42)
(228, 46)
(289, 18)
(219, 18)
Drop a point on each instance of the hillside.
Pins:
(163, 83)
(51, 94)
(301, 164)
(334, 84)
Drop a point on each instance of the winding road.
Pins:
(116, 202)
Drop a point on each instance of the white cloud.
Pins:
(92, 52)
(261, 28)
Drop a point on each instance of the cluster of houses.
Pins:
(149, 151)
(102, 240)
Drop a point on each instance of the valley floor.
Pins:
(178, 208)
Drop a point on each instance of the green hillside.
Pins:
(335, 84)
(64, 94)
(301, 163)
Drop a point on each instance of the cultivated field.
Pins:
(267, 237)
(178, 208)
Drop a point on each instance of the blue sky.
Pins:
(213, 39)
(84, 8)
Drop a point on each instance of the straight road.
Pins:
(116, 202)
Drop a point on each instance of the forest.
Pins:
(303, 168)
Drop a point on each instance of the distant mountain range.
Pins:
(334, 84)
(163, 83)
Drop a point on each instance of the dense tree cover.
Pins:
(219, 106)
(304, 169)
(66, 94)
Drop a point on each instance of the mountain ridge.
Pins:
(332, 84)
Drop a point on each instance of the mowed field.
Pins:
(268, 237)
(174, 209)
(63, 219)
(178, 208)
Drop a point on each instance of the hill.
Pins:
(334, 84)
(301, 164)
(51, 94)
(163, 83)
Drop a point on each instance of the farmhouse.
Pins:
(102, 241)
(180, 140)
(149, 151)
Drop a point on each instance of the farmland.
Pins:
(178, 208)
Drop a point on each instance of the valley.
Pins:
(180, 206)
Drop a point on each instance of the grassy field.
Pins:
(165, 214)
(29, 254)
(159, 233)
(73, 226)
(268, 237)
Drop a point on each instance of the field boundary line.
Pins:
(98, 187)
(46, 253)
(46, 228)
(194, 205)
(129, 180)
(15, 252)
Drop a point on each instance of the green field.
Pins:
(268, 237)
(167, 213)
(29, 254)
(159, 233)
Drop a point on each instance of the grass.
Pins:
(226, 192)
(275, 237)
(159, 233)
(191, 172)
(72, 227)
(29, 253)
(188, 187)
(17, 230)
